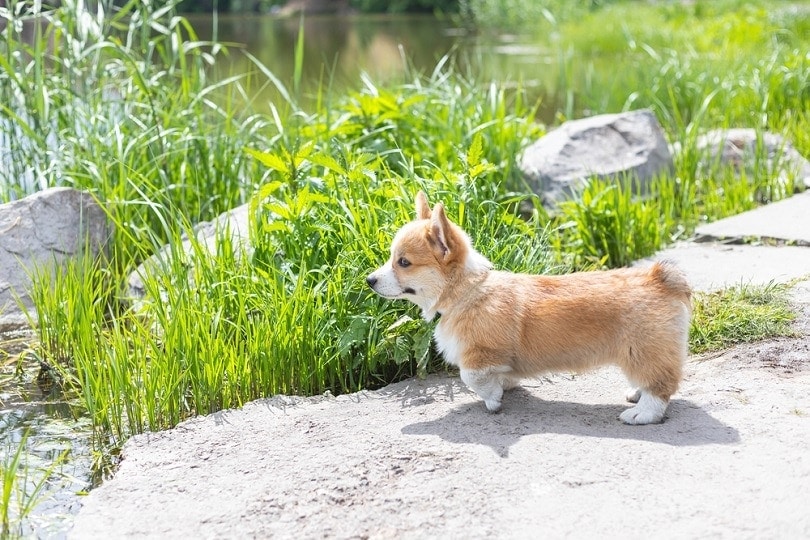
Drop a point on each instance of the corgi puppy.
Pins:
(499, 327)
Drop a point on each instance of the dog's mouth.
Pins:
(374, 283)
(404, 292)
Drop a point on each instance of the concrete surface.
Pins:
(423, 459)
(717, 266)
(786, 221)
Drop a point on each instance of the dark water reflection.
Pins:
(57, 447)
(339, 49)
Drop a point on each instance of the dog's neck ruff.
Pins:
(476, 269)
(429, 311)
(476, 263)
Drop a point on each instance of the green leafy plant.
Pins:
(610, 224)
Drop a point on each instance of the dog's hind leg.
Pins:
(655, 383)
(508, 382)
(487, 383)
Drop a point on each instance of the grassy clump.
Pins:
(613, 223)
(117, 102)
(739, 314)
(715, 64)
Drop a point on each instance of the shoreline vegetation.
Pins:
(120, 103)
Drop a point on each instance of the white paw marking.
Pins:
(492, 405)
(633, 395)
(487, 384)
(649, 410)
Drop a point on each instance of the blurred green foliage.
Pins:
(365, 6)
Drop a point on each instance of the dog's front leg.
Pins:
(487, 383)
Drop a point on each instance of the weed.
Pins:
(739, 314)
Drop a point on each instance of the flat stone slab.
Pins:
(423, 459)
(786, 221)
(714, 266)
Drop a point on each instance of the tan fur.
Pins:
(499, 327)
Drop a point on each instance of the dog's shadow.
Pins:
(524, 414)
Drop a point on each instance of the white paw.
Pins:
(493, 406)
(486, 384)
(633, 395)
(638, 417)
(650, 410)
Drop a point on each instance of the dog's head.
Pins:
(425, 255)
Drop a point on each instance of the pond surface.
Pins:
(338, 50)
(57, 454)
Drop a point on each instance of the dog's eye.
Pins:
(403, 262)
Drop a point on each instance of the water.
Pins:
(338, 50)
(57, 451)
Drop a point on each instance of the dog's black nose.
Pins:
(371, 280)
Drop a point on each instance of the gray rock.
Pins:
(609, 146)
(234, 223)
(40, 233)
(742, 149)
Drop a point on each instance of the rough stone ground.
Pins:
(423, 459)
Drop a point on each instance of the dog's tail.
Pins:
(670, 276)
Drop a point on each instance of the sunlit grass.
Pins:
(709, 64)
(740, 314)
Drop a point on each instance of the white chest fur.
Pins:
(448, 344)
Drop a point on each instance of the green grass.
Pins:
(738, 315)
(715, 63)
(124, 108)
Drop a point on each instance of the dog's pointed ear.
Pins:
(440, 230)
(422, 206)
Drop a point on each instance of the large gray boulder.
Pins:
(746, 151)
(39, 234)
(233, 225)
(608, 146)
